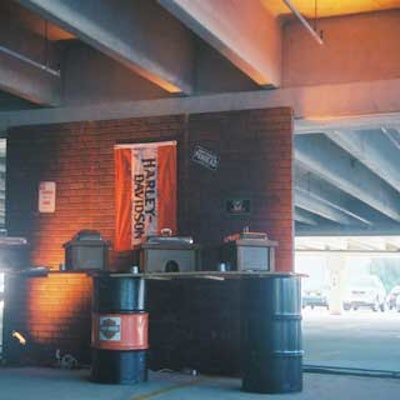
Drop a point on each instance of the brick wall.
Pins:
(79, 158)
(255, 152)
(255, 163)
(52, 313)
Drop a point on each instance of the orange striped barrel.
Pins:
(119, 329)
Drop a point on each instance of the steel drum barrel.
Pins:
(271, 344)
(119, 330)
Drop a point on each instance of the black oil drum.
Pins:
(119, 367)
(271, 334)
(113, 295)
(119, 329)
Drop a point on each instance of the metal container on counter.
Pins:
(87, 250)
(170, 254)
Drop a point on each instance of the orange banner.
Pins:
(145, 192)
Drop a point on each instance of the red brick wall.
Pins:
(79, 158)
(255, 150)
(255, 162)
(52, 313)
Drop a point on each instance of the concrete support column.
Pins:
(336, 263)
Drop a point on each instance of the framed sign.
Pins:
(205, 157)
(47, 197)
(238, 206)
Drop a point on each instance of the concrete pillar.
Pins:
(336, 263)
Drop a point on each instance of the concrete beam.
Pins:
(374, 150)
(139, 34)
(307, 102)
(20, 78)
(393, 135)
(321, 243)
(350, 243)
(316, 205)
(304, 217)
(23, 41)
(350, 123)
(356, 48)
(81, 86)
(311, 184)
(29, 83)
(349, 230)
(371, 243)
(243, 31)
(324, 158)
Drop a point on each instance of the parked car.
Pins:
(315, 296)
(392, 297)
(366, 291)
(398, 304)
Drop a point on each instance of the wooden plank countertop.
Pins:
(214, 275)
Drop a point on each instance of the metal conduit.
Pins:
(303, 21)
(29, 61)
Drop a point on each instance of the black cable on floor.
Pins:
(371, 373)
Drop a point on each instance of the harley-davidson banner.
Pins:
(145, 191)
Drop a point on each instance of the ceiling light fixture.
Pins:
(309, 28)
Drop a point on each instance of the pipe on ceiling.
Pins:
(29, 61)
(303, 21)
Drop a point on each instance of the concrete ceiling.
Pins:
(329, 8)
(346, 181)
(359, 245)
(146, 57)
(12, 13)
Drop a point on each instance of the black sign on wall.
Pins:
(205, 157)
(238, 206)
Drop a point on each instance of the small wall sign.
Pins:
(110, 328)
(205, 157)
(47, 197)
(238, 206)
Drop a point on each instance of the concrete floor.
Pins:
(56, 384)
(362, 339)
